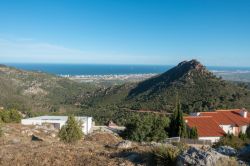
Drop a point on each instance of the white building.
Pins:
(59, 121)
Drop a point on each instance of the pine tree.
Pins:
(177, 124)
(71, 132)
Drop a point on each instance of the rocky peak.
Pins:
(192, 64)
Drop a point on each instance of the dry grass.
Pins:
(17, 148)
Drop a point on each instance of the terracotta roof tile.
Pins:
(205, 125)
(227, 117)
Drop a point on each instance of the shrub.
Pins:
(242, 136)
(231, 140)
(10, 116)
(165, 155)
(147, 128)
(193, 133)
(71, 132)
(248, 132)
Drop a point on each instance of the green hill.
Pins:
(39, 92)
(197, 88)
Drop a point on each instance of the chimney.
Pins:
(243, 113)
(195, 114)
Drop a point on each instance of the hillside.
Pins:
(197, 88)
(38, 92)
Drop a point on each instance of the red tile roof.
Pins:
(206, 126)
(228, 117)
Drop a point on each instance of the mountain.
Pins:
(197, 88)
(30, 91)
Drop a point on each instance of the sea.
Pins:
(100, 69)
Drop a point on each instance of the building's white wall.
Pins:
(86, 123)
(227, 129)
(243, 129)
(212, 139)
(31, 122)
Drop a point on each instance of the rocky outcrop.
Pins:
(227, 150)
(200, 157)
(124, 144)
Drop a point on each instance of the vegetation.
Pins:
(147, 128)
(177, 126)
(10, 116)
(1, 130)
(236, 142)
(28, 91)
(248, 132)
(71, 132)
(165, 155)
(193, 133)
(200, 91)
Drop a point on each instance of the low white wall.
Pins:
(212, 139)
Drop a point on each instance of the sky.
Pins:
(157, 32)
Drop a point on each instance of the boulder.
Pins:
(227, 150)
(124, 144)
(200, 157)
(15, 141)
(244, 153)
(36, 138)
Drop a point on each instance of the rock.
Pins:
(124, 144)
(15, 141)
(36, 138)
(200, 157)
(53, 135)
(227, 150)
(244, 153)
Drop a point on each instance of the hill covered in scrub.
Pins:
(39, 92)
(197, 88)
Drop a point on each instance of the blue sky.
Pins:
(216, 32)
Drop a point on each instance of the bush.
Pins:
(10, 116)
(71, 132)
(242, 136)
(147, 128)
(231, 140)
(165, 155)
(248, 132)
(193, 133)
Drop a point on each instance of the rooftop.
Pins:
(205, 125)
(228, 117)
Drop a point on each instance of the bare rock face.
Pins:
(124, 144)
(227, 150)
(200, 157)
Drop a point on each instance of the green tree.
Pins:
(193, 133)
(147, 128)
(177, 124)
(71, 132)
